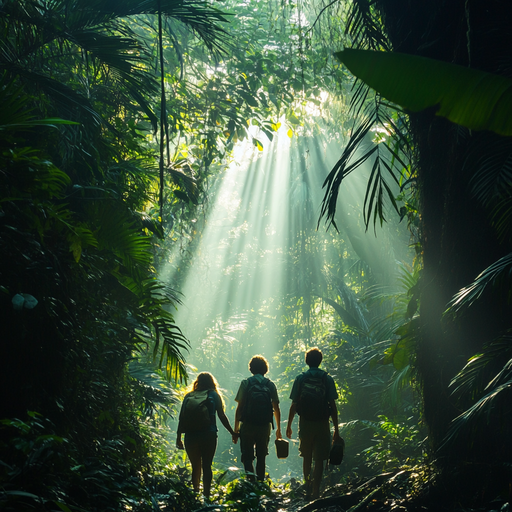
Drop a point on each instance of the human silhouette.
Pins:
(197, 421)
(314, 397)
(258, 403)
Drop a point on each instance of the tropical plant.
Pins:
(80, 300)
(455, 173)
(393, 444)
(469, 97)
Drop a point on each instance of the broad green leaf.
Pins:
(469, 97)
(400, 359)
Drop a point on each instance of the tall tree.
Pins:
(79, 297)
(461, 178)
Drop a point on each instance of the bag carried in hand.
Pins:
(258, 403)
(196, 412)
(337, 452)
(282, 448)
(313, 403)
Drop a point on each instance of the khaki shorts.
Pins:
(251, 437)
(315, 439)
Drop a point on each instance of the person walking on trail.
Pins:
(258, 403)
(197, 421)
(313, 398)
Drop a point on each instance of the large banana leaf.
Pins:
(469, 97)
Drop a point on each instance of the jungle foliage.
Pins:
(464, 301)
(117, 124)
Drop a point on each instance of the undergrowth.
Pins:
(42, 469)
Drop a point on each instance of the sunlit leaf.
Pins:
(258, 144)
(469, 97)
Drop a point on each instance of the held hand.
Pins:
(235, 437)
(179, 444)
(278, 433)
(336, 437)
(289, 431)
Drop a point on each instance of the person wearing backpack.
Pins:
(197, 421)
(313, 398)
(258, 403)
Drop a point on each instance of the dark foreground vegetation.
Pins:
(117, 121)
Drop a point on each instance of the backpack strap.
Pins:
(324, 380)
(252, 380)
(266, 383)
(303, 377)
(211, 406)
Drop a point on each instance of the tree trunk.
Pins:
(458, 239)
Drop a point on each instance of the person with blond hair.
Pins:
(258, 403)
(197, 421)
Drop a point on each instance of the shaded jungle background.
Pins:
(187, 184)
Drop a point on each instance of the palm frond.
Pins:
(353, 311)
(17, 112)
(202, 18)
(492, 173)
(123, 57)
(501, 216)
(116, 231)
(99, 31)
(71, 101)
(400, 380)
(468, 423)
(345, 316)
(485, 383)
(156, 392)
(499, 274)
(181, 174)
(482, 370)
(377, 191)
(388, 162)
(490, 163)
(348, 162)
(172, 343)
(364, 25)
(157, 329)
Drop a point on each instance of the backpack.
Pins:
(196, 412)
(313, 403)
(258, 403)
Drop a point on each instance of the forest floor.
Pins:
(404, 490)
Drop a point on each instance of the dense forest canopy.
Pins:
(186, 184)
